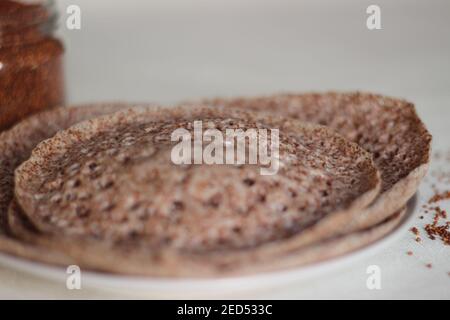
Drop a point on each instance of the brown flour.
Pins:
(31, 71)
(437, 223)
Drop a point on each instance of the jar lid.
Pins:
(20, 13)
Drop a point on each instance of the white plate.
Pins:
(207, 288)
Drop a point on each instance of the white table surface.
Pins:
(167, 51)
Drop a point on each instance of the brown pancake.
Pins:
(339, 245)
(99, 256)
(386, 127)
(96, 178)
(16, 146)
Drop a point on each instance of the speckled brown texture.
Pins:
(16, 146)
(388, 128)
(112, 178)
(13, 13)
(101, 257)
(338, 245)
(31, 61)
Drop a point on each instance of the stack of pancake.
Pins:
(96, 186)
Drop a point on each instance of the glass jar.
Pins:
(31, 59)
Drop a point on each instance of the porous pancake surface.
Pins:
(388, 128)
(17, 143)
(112, 179)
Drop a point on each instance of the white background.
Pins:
(167, 51)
